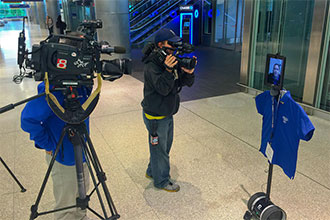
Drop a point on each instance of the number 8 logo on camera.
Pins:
(61, 63)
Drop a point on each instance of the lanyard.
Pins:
(273, 114)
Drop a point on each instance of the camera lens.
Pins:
(187, 62)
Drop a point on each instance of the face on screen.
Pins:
(276, 71)
(274, 76)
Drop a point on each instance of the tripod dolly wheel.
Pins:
(261, 207)
(252, 200)
(273, 213)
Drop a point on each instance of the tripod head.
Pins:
(74, 112)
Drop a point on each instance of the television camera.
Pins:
(67, 62)
(71, 60)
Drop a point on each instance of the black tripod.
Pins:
(79, 137)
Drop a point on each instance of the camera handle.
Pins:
(8, 108)
(13, 105)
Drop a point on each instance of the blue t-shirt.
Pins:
(290, 125)
(45, 127)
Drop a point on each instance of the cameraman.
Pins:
(162, 84)
(45, 129)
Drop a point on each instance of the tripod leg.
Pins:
(90, 160)
(34, 208)
(78, 155)
(102, 178)
(11, 173)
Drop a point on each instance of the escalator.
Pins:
(150, 11)
(145, 21)
(139, 7)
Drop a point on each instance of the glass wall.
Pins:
(325, 97)
(323, 93)
(283, 27)
(74, 13)
(219, 21)
(228, 23)
(207, 17)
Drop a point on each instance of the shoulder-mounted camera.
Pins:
(179, 48)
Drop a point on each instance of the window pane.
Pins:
(284, 27)
(325, 99)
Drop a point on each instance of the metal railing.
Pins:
(151, 25)
(147, 20)
(138, 6)
(172, 5)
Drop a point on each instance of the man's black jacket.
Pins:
(161, 90)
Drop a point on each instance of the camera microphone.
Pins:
(116, 49)
(119, 49)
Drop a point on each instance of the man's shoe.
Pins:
(171, 187)
(149, 177)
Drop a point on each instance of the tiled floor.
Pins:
(214, 157)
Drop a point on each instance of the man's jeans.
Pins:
(159, 164)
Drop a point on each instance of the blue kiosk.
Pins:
(189, 24)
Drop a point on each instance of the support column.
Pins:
(246, 45)
(314, 55)
(53, 10)
(115, 17)
(33, 14)
(41, 14)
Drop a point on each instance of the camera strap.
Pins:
(50, 96)
(73, 117)
(95, 94)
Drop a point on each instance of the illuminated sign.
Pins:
(187, 8)
(19, 6)
(196, 13)
(191, 27)
(18, 1)
(10, 1)
(173, 14)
